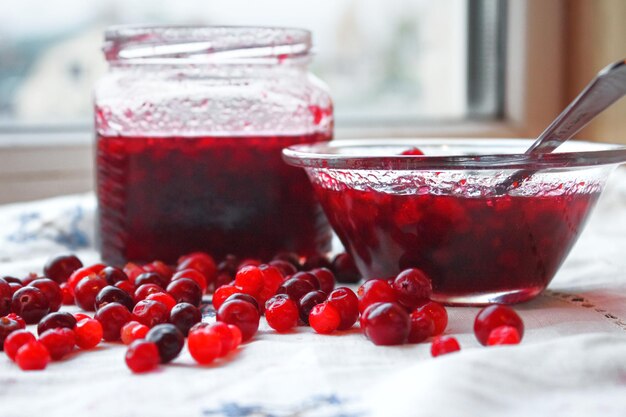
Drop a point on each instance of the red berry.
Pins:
(51, 290)
(281, 313)
(143, 291)
(61, 267)
(133, 330)
(438, 315)
(7, 326)
(169, 341)
(444, 344)
(236, 336)
(494, 316)
(66, 294)
(151, 278)
(347, 304)
(132, 271)
(316, 261)
(201, 262)
(30, 278)
(161, 268)
(15, 286)
(17, 318)
(241, 314)
(184, 316)
(113, 275)
(344, 268)
(185, 290)
(164, 298)
(30, 303)
(295, 288)
(285, 268)
(87, 290)
(272, 279)
(309, 301)
(412, 151)
(249, 280)
(326, 279)
(324, 318)
(222, 294)
(422, 327)
(204, 345)
(504, 335)
(6, 296)
(59, 342)
(229, 338)
(290, 257)
(142, 356)
(386, 324)
(80, 273)
(127, 287)
(150, 313)
(56, 320)
(375, 291)
(112, 317)
(248, 262)
(16, 340)
(88, 333)
(111, 294)
(412, 287)
(245, 297)
(193, 275)
(33, 356)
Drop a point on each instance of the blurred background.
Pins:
(394, 67)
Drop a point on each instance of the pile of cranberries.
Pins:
(152, 308)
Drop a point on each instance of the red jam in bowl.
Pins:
(163, 196)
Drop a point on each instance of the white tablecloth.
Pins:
(572, 361)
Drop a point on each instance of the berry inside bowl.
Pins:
(445, 212)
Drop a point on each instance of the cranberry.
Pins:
(30, 278)
(15, 286)
(67, 297)
(281, 313)
(142, 356)
(86, 271)
(151, 278)
(412, 287)
(201, 262)
(185, 290)
(132, 271)
(245, 297)
(494, 316)
(228, 337)
(324, 318)
(168, 339)
(163, 297)
(30, 303)
(150, 313)
(228, 265)
(375, 291)
(7, 326)
(241, 314)
(248, 262)
(223, 279)
(422, 327)
(142, 292)
(59, 342)
(87, 290)
(51, 290)
(193, 275)
(111, 294)
(56, 320)
(222, 294)
(290, 257)
(438, 315)
(286, 268)
(161, 268)
(444, 344)
(113, 275)
(33, 356)
(272, 279)
(249, 280)
(316, 261)
(295, 288)
(9, 280)
(17, 318)
(326, 279)
(412, 151)
(347, 303)
(61, 267)
(204, 345)
(308, 277)
(184, 316)
(236, 336)
(112, 317)
(504, 335)
(88, 333)
(133, 330)
(5, 297)
(126, 286)
(344, 268)
(386, 324)
(16, 340)
(309, 301)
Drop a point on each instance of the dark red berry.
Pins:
(316, 261)
(59, 342)
(151, 278)
(204, 345)
(6, 295)
(438, 315)
(87, 290)
(290, 257)
(61, 267)
(324, 318)
(15, 286)
(422, 327)
(142, 356)
(16, 340)
(33, 356)
(295, 289)
(161, 268)
(88, 333)
(9, 279)
(57, 320)
(249, 280)
(375, 291)
(113, 275)
(168, 339)
(51, 290)
(241, 314)
(185, 290)
(150, 313)
(133, 330)
(344, 268)
(244, 297)
(228, 266)
(308, 277)
(193, 275)
(347, 304)
(7, 326)
(494, 316)
(504, 335)
(412, 287)
(30, 303)
(281, 313)
(286, 268)
(309, 301)
(184, 316)
(111, 294)
(386, 324)
(142, 292)
(326, 279)
(112, 317)
(444, 344)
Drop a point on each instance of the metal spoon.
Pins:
(608, 86)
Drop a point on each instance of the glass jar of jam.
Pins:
(190, 123)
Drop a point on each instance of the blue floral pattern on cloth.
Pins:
(318, 406)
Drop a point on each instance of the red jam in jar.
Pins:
(189, 143)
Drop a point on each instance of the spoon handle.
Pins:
(605, 89)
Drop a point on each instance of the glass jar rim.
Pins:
(205, 44)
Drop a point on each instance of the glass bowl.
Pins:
(446, 212)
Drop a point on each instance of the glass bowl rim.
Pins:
(321, 155)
